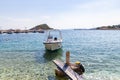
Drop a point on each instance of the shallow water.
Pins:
(23, 56)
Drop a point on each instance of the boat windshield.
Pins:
(50, 37)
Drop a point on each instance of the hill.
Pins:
(113, 27)
(41, 27)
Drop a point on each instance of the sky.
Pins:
(59, 14)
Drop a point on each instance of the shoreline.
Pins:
(10, 31)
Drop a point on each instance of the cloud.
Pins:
(17, 22)
(45, 17)
(98, 6)
(16, 19)
(87, 14)
(10, 22)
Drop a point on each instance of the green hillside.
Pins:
(41, 26)
(113, 27)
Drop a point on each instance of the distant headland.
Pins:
(113, 27)
(39, 28)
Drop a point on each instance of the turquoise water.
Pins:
(23, 56)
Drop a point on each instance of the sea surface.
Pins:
(23, 56)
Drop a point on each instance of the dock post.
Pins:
(67, 57)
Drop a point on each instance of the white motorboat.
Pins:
(54, 40)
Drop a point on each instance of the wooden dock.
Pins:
(67, 70)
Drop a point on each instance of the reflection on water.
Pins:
(47, 56)
(46, 68)
(51, 55)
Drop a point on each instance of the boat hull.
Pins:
(53, 46)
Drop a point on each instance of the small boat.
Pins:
(54, 40)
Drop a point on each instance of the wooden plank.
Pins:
(67, 70)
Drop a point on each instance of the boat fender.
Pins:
(81, 68)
